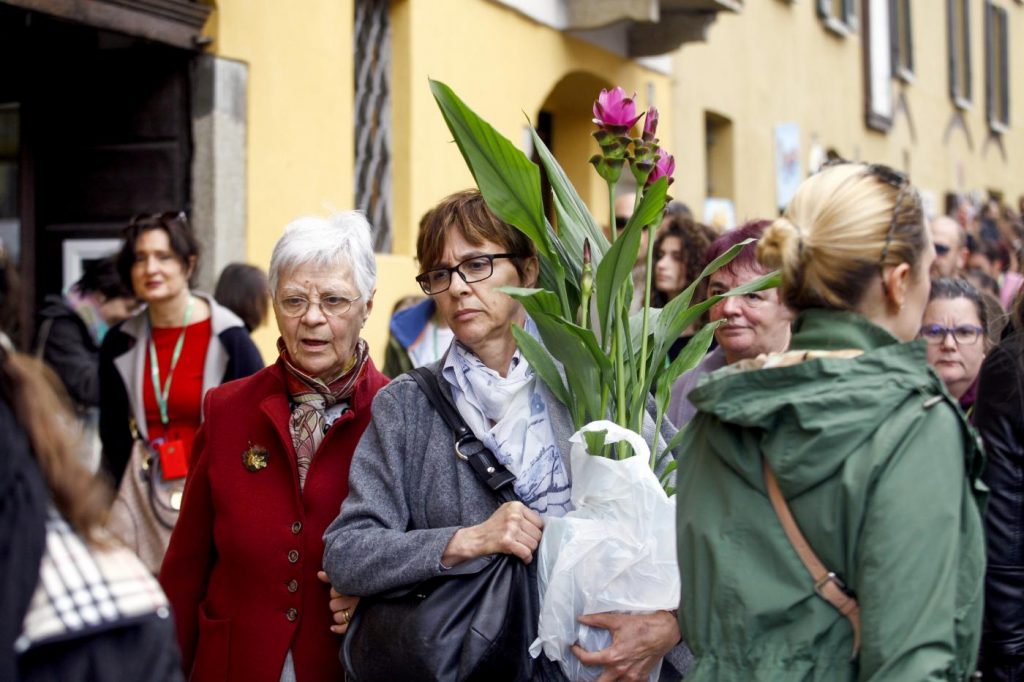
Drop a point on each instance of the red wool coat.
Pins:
(240, 571)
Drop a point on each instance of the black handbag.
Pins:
(476, 622)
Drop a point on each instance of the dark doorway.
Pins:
(102, 125)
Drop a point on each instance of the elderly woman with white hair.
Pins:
(270, 469)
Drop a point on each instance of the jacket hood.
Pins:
(809, 416)
(407, 325)
(56, 306)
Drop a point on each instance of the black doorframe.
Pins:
(110, 142)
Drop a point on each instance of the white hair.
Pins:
(343, 237)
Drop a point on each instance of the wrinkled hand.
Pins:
(513, 529)
(342, 606)
(638, 643)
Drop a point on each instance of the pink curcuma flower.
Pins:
(650, 125)
(663, 168)
(615, 112)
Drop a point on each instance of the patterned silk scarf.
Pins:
(509, 415)
(311, 398)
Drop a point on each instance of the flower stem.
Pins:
(618, 336)
(647, 307)
(611, 211)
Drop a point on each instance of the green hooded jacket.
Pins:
(880, 469)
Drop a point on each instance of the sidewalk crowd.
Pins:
(173, 509)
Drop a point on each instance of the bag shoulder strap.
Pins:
(468, 447)
(827, 584)
(43, 336)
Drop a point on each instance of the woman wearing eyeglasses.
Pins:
(828, 521)
(156, 367)
(955, 326)
(270, 469)
(414, 511)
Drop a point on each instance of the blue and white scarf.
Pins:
(509, 416)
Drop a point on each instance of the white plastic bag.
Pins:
(614, 552)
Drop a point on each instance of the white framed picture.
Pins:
(719, 213)
(78, 252)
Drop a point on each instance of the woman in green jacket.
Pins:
(873, 460)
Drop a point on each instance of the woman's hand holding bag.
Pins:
(513, 529)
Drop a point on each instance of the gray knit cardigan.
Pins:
(408, 494)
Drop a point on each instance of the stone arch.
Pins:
(565, 120)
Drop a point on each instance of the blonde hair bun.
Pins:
(779, 248)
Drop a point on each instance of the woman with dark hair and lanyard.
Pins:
(156, 367)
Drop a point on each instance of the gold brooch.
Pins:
(255, 457)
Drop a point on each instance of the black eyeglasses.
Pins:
(964, 334)
(942, 249)
(471, 270)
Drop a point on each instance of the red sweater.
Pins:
(241, 568)
(185, 399)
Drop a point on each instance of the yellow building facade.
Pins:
(508, 66)
(782, 62)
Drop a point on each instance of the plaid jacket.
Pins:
(83, 590)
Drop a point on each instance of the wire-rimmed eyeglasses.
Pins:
(471, 270)
(963, 334)
(330, 305)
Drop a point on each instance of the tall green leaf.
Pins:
(574, 220)
(636, 323)
(586, 367)
(695, 349)
(617, 266)
(543, 299)
(508, 180)
(542, 363)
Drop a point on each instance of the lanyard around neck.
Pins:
(154, 366)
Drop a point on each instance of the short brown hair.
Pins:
(468, 213)
(243, 289)
(183, 242)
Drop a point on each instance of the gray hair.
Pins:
(342, 237)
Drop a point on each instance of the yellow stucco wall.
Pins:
(300, 149)
(506, 67)
(503, 65)
(775, 63)
(300, 125)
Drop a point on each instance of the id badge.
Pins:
(173, 460)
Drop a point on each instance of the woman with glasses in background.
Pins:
(955, 325)
(415, 511)
(270, 469)
(828, 522)
(156, 366)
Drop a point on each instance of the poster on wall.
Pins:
(77, 253)
(788, 172)
(719, 213)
